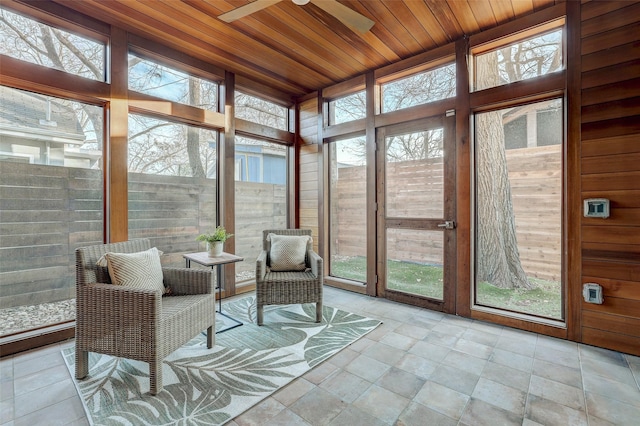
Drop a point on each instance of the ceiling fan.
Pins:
(347, 16)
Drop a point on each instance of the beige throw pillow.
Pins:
(288, 252)
(138, 270)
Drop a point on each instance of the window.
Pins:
(421, 88)
(518, 235)
(172, 186)
(261, 111)
(347, 108)
(526, 59)
(51, 182)
(155, 79)
(348, 209)
(260, 198)
(31, 41)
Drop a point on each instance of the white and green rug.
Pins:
(212, 386)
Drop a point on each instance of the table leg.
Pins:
(238, 323)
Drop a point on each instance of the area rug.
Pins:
(212, 386)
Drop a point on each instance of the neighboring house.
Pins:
(262, 164)
(36, 130)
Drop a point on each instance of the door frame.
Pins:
(448, 303)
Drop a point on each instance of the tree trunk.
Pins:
(193, 134)
(498, 259)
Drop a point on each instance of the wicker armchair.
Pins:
(138, 324)
(283, 288)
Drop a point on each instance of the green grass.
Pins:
(426, 280)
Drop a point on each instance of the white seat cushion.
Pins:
(138, 270)
(288, 252)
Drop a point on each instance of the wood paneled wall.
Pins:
(610, 163)
(309, 167)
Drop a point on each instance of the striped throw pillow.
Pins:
(140, 270)
(288, 252)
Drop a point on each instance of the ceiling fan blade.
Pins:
(247, 9)
(347, 16)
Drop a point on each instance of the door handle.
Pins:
(448, 224)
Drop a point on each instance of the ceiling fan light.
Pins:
(300, 2)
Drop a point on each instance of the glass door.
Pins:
(416, 213)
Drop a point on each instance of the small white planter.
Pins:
(215, 248)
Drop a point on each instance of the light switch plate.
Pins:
(596, 207)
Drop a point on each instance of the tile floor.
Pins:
(418, 368)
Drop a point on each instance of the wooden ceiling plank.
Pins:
(388, 28)
(213, 30)
(502, 10)
(288, 39)
(413, 35)
(447, 20)
(138, 23)
(429, 22)
(483, 14)
(464, 14)
(270, 61)
(521, 7)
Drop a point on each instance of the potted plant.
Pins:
(215, 240)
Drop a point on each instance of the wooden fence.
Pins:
(414, 189)
(47, 212)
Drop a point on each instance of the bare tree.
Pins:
(497, 255)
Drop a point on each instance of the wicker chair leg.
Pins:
(155, 377)
(211, 337)
(260, 311)
(318, 311)
(82, 364)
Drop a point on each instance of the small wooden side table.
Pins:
(202, 258)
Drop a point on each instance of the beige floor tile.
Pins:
(61, 413)
(472, 348)
(384, 353)
(500, 396)
(321, 372)
(507, 343)
(512, 359)
(612, 410)
(604, 355)
(44, 397)
(556, 356)
(482, 337)
(465, 362)
(442, 399)
(398, 340)
(454, 378)
(547, 412)
(287, 418)
(416, 332)
(417, 365)
(507, 376)
(486, 327)
(318, 407)
(480, 413)
(346, 386)
(559, 373)
(429, 351)
(367, 368)
(418, 414)
(353, 416)
(612, 389)
(570, 396)
(382, 403)
(293, 391)
(261, 413)
(616, 372)
(401, 382)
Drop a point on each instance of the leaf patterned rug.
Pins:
(212, 386)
